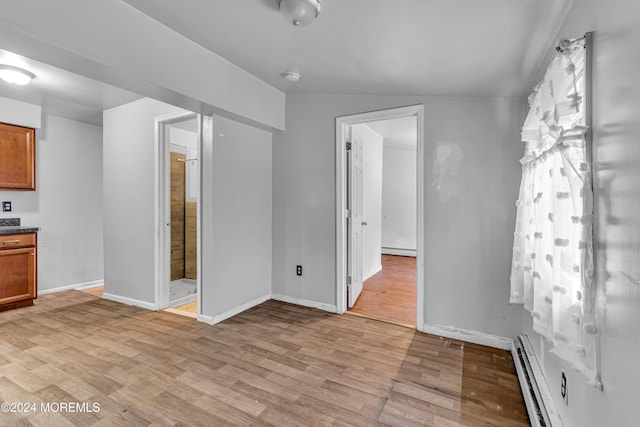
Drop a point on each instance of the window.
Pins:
(552, 270)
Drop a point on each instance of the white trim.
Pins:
(130, 301)
(304, 302)
(543, 388)
(77, 286)
(212, 320)
(205, 124)
(399, 252)
(341, 202)
(373, 271)
(205, 319)
(420, 252)
(469, 336)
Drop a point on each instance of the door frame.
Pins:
(162, 212)
(342, 123)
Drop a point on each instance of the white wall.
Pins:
(188, 139)
(183, 137)
(20, 113)
(236, 209)
(236, 248)
(616, 123)
(371, 200)
(468, 240)
(67, 203)
(130, 205)
(399, 199)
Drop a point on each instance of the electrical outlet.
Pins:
(298, 270)
(563, 388)
(6, 206)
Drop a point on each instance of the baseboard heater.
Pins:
(534, 388)
(398, 251)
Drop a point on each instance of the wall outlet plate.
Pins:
(298, 270)
(6, 206)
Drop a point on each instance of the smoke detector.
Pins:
(291, 76)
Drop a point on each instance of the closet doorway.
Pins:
(179, 145)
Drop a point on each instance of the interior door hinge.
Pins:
(348, 280)
(348, 213)
(348, 145)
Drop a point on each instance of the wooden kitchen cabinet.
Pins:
(18, 270)
(17, 158)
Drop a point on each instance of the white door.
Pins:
(355, 220)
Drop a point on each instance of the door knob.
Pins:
(364, 222)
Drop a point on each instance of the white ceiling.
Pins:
(404, 47)
(397, 133)
(62, 93)
(415, 47)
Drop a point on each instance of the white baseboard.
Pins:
(375, 270)
(212, 320)
(130, 301)
(305, 302)
(77, 286)
(182, 301)
(205, 319)
(401, 252)
(469, 336)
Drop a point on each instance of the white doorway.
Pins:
(179, 145)
(349, 202)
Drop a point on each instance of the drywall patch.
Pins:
(447, 158)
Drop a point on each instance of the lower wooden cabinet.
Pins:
(18, 270)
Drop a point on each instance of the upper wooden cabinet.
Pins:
(17, 158)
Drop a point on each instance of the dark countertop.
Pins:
(18, 229)
(12, 226)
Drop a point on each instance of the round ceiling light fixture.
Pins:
(300, 12)
(291, 76)
(15, 75)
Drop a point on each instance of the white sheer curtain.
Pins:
(552, 271)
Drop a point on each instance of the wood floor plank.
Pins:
(390, 294)
(276, 364)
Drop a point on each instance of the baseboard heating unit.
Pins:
(537, 396)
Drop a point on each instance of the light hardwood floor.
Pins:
(98, 291)
(276, 364)
(390, 295)
(189, 308)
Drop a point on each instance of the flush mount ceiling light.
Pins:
(300, 12)
(291, 76)
(15, 75)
